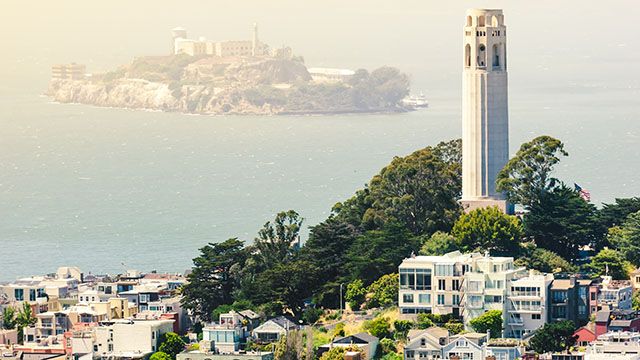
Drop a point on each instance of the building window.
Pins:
(455, 284)
(559, 296)
(582, 310)
(440, 299)
(424, 298)
(593, 296)
(444, 270)
(415, 279)
(19, 294)
(535, 317)
(407, 298)
(442, 284)
(455, 299)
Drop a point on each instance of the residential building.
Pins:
(367, 344)
(207, 352)
(464, 285)
(56, 323)
(486, 286)
(615, 345)
(436, 343)
(527, 310)
(585, 334)
(142, 296)
(129, 338)
(616, 294)
(8, 337)
(563, 300)
(226, 334)
(425, 344)
(475, 346)
(170, 307)
(272, 330)
(635, 279)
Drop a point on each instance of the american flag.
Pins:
(584, 193)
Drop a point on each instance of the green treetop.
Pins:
(489, 321)
(171, 344)
(488, 229)
(553, 337)
(528, 175)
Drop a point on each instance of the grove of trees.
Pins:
(411, 207)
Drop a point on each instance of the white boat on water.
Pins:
(416, 101)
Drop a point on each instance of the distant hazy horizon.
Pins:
(95, 187)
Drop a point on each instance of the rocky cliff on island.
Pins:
(234, 85)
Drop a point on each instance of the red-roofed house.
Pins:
(585, 334)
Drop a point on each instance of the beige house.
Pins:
(635, 279)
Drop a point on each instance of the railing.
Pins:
(525, 294)
(515, 321)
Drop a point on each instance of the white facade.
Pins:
(131, 337)
(485, 118)
(527, 310)
(465, 285)
(486, 286)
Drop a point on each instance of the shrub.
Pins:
(378, 327)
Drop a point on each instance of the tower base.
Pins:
(470, 205)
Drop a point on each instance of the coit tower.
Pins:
(485, 116)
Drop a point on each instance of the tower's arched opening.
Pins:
(496, 56)
(469, 20)
(481, 20)
(494, 21)
(482, 55)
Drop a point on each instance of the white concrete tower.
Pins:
(177, 33)
(485, 116)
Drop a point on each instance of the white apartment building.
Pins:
(526, 307)
(465, 285)
(128, 339)
(431, 284)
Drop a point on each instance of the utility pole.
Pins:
(341, 284)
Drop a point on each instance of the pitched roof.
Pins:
(250, 314)
(562, 284)
(437, 332)
(363, 337)
(620, 323)
(281, 321)
(602, 316)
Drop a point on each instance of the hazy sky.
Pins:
(547, 39)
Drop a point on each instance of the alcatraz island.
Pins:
(233, 77)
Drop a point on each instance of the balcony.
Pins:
(526, 309)
(515, 321)
(525, 294)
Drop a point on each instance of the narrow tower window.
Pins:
(496, 56)
(467, 55)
